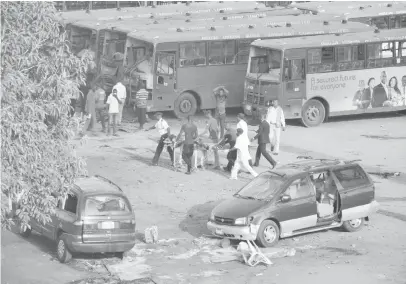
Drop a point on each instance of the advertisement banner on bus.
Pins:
(360, 89)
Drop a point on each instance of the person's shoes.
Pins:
(225, 168)
(188, 173)
(217, 168)
(255, 165)
(275, 153)
(103, 130)
(155, 164)
(233, 178)
(274, 166)
(116, 135)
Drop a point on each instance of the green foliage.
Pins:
(39, 75)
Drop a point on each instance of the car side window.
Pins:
(71, 203)
(299, 188)
(351, 177)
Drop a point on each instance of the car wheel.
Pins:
(313, 113)
(353, 225)
(185, 105)
(25, 232)
(62, 250)
(268, 234)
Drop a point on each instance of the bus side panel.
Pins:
(360, 91)
(203, 79)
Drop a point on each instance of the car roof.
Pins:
(96, 184)
(307, 165)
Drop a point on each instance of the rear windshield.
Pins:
(102, 204)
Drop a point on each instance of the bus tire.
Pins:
(185, 105)
(313, 113)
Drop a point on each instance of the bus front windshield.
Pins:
(265, 64)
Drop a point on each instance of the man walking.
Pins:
(276, 120)
(243, 155)
(212, 129)
(221, 94)
(101, 114)
(113, 104)
(263, 139)
(191, 134)
(141, 99)
(229, 138)
(244, 126)
(164, 131)
(122, 95)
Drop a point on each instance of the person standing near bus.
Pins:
(221, 94)
(113, 101)
(263, 139)
(164, 131)
(122, 95)
(243, 155)
(229, 138)
(90, 107)
(141, 101)
(212, 129)
(190, 130)
(244, 126)
(276, 120)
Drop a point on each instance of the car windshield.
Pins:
(106, 204)
(262, 187)
(265, 64)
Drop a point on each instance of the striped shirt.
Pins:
(142, 97)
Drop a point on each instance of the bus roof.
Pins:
(173, 10)
(331, 40)
(354, 9)
(165, 35)
(173, 25)
(128, 22)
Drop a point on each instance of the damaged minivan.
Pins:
(302, 197)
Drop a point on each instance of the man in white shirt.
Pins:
(276, 120)
(242, 124)
(243, 154)
(164, 131)
(113, 103)
(122, 95)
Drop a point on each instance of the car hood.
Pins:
(237, 207)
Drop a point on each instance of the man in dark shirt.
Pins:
(190, 131)
(229, 138)
(263, 139)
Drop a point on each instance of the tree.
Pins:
(39, 75)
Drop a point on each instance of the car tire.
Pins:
(25, 233)
(313, 113)
(185, 105)
(353, 225)
(62, 250)
(268, 234)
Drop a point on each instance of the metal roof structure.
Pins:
(332, 40)
(165, 35)
(354, 9)
(175, 10)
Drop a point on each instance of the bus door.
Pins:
(294, 85)
(165, 83)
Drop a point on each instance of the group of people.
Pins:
(218, 134)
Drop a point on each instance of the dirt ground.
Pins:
(179, 206)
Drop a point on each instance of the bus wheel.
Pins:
(185, 105)
(313, 113)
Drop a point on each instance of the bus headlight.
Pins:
(241, 221)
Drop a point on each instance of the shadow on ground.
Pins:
(195, 222)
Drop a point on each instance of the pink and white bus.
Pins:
(314, 78)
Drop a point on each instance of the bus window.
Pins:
(192, 54)
(402, 21)
(350, 57)
(165, 63)
(221, 52)
(265, 64)
(243, 51)
(380, 54)
(295, 69)
(381, 23)
(394, 22)
(400, 48)
(320, 60)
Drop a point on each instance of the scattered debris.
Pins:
(304, 157)
(279, 252)
(251, 254)
(202, 241)
(185, 255)
(151, 234)
(210, 273)
(104, 146)
(126, 270)
(305, 248)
